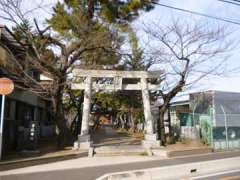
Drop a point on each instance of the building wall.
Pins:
(27, 97)
(229, 104)
(201, 102)
(22, 108)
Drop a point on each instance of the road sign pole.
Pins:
(1, 125)
(6, 87)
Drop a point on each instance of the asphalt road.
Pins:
(228, 175)
(92, 173)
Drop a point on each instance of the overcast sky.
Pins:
(210, 7)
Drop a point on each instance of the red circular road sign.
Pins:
(6, 86)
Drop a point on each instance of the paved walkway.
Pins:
(107, 136)
(108, 141)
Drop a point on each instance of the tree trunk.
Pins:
(90, 8)
(79, 122)
(169, 122)
(59, 119)
(161, 127)
(64, 133)
(79, 110)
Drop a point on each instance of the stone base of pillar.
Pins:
(84, 142)
(151, 141)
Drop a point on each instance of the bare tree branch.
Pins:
(185, 51)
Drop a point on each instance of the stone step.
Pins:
(119, 150)
(120, 154)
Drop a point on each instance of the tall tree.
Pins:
(116, 11)
(72, 37)
(55, 55)
(188, 53)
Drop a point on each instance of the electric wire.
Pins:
(197, 13)
(231, 2)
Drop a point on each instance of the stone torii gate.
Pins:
(87, 80)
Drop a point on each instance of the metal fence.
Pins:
(221, 131)
(226, 131)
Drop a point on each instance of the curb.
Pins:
(188, 152)
(20, 163)
(181, 153)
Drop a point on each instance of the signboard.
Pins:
(6, 86)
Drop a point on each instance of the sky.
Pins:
(231, 81)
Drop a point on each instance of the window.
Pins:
(24, 114)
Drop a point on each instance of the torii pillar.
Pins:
(150, 138)
(84, 140)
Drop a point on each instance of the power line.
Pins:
(231, 2)
(197, 13)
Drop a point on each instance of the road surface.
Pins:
(91, 173)
(228, 175)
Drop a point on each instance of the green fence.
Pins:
(206, 129)
(201, 126)
(192, 119)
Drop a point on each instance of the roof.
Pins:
(7, 37)
(215, 92)
(178, 103)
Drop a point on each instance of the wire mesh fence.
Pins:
(226, 131)
(221, 131)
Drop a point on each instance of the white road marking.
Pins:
(216, 174)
